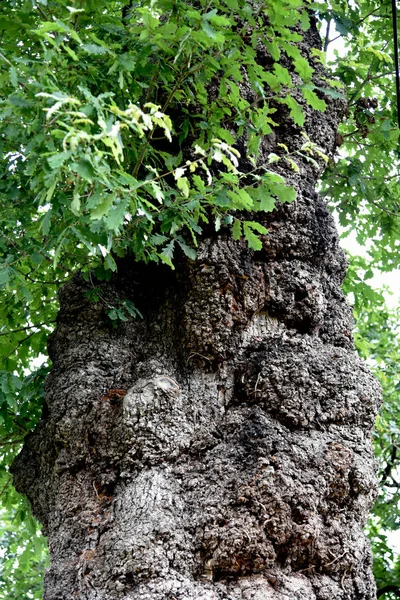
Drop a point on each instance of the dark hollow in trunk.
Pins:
(220, 448)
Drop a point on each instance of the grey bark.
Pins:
(220, 448)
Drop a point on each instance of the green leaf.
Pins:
(167, 253)
(102, 207)
(303, 68)
(94, 49)
(4, 275)
(283, 192)
(37, 258)
(57, 160)
(189, 252)
(251, 238)
(84, 169)
(264, 201)
(241, 199)
(256, 227)
(76, 202)
(183, 184)
(110, 263)
(313, 100)
(272, 81)
(283, 75)
(112, 314)
(331, 93)
(117, 214)
(71, 52)
(46, 222)
(296, 111)
(13, 76)
(80, 234)
(237, 229)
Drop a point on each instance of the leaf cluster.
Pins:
(362, 184)
(378, 341)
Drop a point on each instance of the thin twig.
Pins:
(11, 443)
(5, 486)
(5, 333)
(327, 40)
(5, 59)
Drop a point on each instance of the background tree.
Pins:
(140, 130)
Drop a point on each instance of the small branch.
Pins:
(164, 108)
(20, 342)
(390, 464)
(5, 333)
(346, 135)
(395, 483)
(21, 83)
(5, 486)
(11, 443)
(327, 40)
(27, 276)
(125, 10)
(369, 14)
(383, 74)
(386, 210)
(335, 38)
(389, 588)
(5, 59)
(41, 11)
(368, 78)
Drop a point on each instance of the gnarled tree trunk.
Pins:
(220, 447)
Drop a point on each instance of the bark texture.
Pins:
(220, 448)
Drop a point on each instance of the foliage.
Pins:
(362, 184)
(378, 341)
(23, 550)
(90, 155)
(120, 130)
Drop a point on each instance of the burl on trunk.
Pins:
(220, 447)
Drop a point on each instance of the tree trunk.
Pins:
(219, 448)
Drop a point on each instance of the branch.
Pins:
(8, 481)
(27, 276)
(163, 109)
(41, 11)
(18, 345)
(334, 39)
(369, 14)
(327, 40)
(21, 83)
(25, 328)
(390, 465)
(11, 443)
(389, 588)
(6, 59)
(126, 9)
(386, 210)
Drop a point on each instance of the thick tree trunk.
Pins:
(220, 447)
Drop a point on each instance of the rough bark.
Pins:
(220, 448)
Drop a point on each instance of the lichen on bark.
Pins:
(220, 447)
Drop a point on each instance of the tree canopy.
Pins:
(125, 131)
